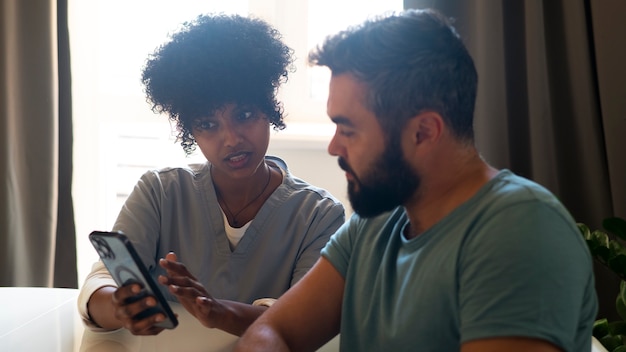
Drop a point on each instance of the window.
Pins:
(117, 137)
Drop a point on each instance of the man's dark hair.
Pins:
(411, 61)
(213, 61)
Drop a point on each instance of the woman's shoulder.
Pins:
(181, 174)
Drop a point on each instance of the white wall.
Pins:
(309, 160)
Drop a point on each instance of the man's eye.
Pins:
(345, 132)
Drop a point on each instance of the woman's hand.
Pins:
(191, 294)
(132, 306)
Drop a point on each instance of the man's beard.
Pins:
(390, 182)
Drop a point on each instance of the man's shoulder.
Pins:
(515, 205)
(511, 199)
(508, 187)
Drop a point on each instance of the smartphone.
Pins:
(125, 265)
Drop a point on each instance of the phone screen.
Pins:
(123, 262)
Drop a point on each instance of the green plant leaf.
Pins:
(604, 254)
(616, 248)
(601, 237)
(616, 226)
(618, 264)
(584, 230)
(621, 348)
(611, 342)
(622, 290)
(600, 328)
(600, 246)
(592, 243)
(620, 306)
(611, 253)
(617, 328)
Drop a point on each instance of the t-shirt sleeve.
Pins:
(331, 216)
(527, 283)
(339, 249)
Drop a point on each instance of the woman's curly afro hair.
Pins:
(213, 61)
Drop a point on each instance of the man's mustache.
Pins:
(344, 165)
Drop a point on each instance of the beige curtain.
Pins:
(551, 100)
(37, 237)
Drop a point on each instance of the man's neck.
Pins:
(443, 191)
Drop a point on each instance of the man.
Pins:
(445, 253)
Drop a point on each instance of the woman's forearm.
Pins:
(235, 317)
(100, 309)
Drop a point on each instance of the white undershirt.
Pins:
(233, 234)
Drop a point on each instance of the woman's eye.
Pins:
(205, 125)
(246, 115)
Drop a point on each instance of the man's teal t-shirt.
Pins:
(508, 262)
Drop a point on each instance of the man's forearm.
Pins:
(261, 338)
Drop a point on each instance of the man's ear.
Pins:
(425, 127)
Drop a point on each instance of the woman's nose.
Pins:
(231, 135)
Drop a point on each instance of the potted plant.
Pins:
(606, 248)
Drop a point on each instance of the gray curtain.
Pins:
(37, 236)
(551, 100)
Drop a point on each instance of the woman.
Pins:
(244, 227)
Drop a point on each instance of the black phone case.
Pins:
(123, 262)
